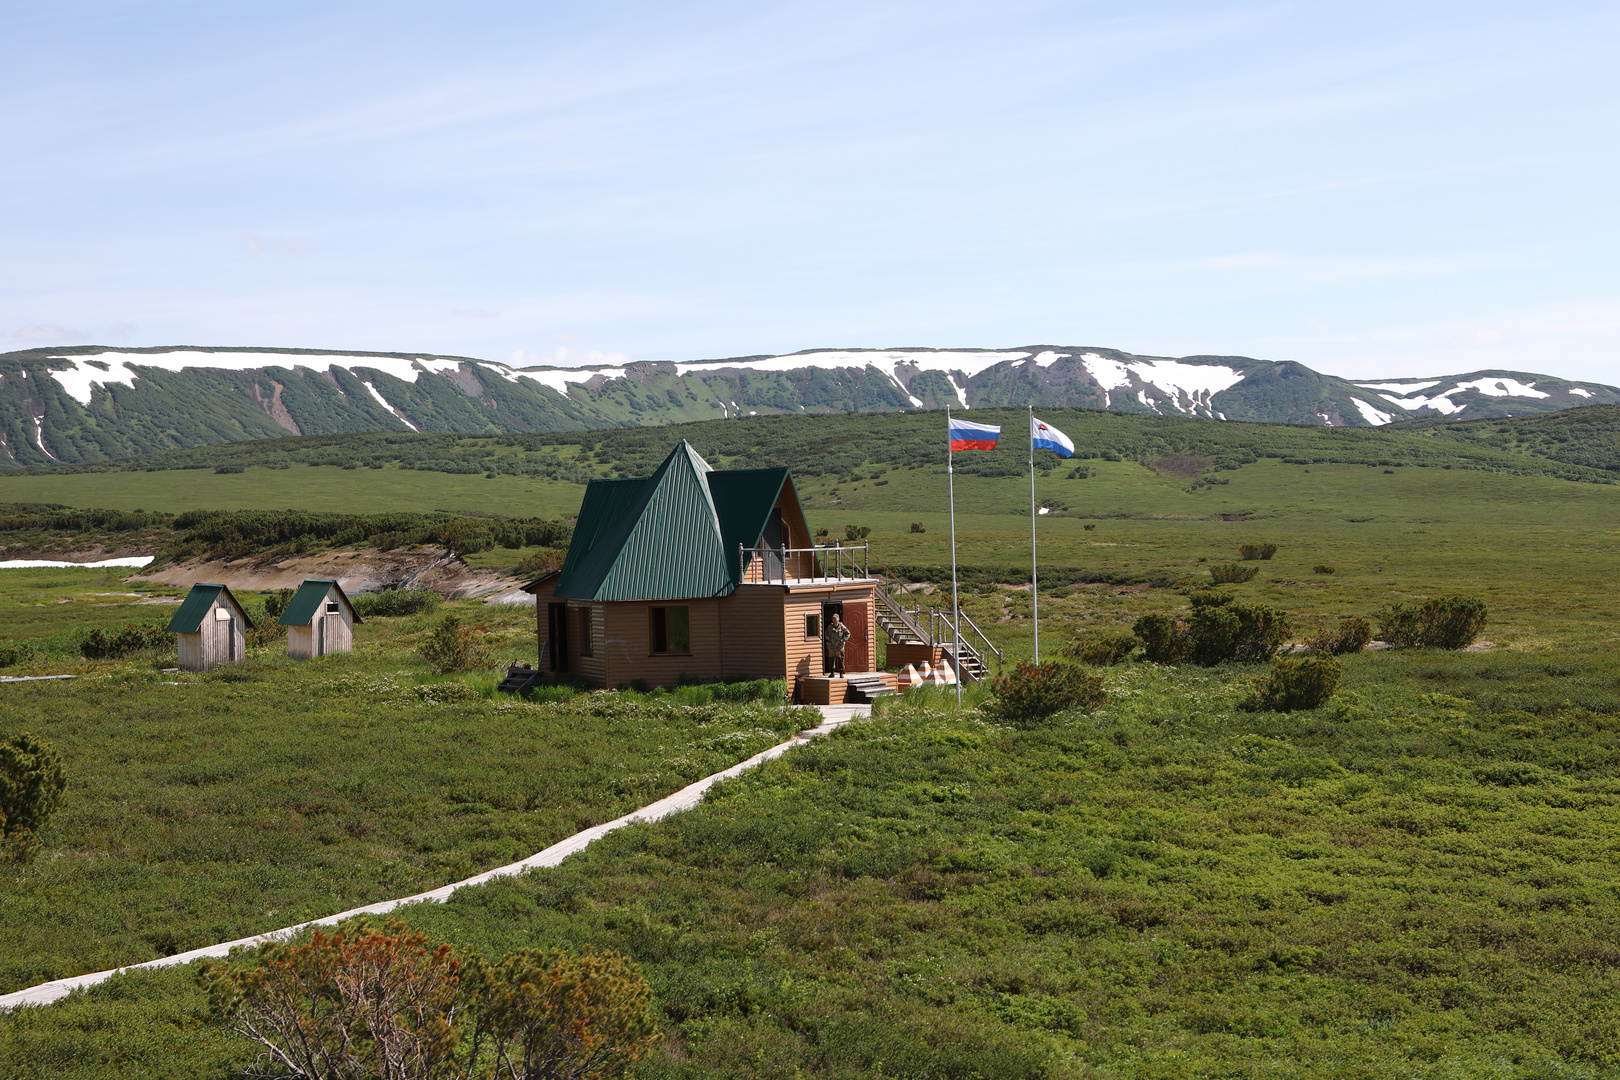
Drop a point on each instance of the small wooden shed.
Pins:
(211, 628)
(319, 620)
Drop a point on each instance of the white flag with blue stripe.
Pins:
(1046, 437)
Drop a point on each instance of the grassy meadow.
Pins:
(1415, 880)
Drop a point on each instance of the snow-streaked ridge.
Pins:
(1410, 396)
(78, 380)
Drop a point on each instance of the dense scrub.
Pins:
(1410, 881)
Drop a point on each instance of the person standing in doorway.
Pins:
(837, 636)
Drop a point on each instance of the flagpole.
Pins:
(956, 604)
(1034, 573)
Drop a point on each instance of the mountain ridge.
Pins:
(90, 402)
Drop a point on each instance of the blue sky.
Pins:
(1374, 189)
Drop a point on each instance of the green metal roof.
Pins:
(196, 604)
(307, 601)
(672, 535)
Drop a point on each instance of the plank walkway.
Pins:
(832, 718)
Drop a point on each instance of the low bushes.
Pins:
(1296, 684)
(1101, 650)
(392, 602)
(31, 787)
(453, 647)
(356, 1001)
(1034, 693)
(1218, 630)
(1232, 573)
(1321, 568)
(1257, 551)
(1446, 622)
(15, 652)
(1351, 636)
(100, 645)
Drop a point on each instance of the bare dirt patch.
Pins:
(426, 567)
(1185, 466)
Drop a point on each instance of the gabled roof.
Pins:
(307, 601)
(196, 604)
(672, 535)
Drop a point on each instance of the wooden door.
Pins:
(858, 653)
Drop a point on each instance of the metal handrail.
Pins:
(818, 559)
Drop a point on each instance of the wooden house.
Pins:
(319, 620)
(210, 628)
(701, 573)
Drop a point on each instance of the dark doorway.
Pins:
(828, 610)
(557, 634)
(772, 541)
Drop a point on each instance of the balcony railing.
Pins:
(767, 565)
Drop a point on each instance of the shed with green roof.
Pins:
(210, 628)
(699, 573)
(319, 619)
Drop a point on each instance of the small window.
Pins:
(812, 626)
(671, 630)
(331, 607)
(585, 628)
(222, 614)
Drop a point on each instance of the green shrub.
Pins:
(1445, 622)
(1232, 573)
(31, 786)
(99, 645)
(1101, 650)
(1257, 551)
(1033, 693)
(1352, 636)
(276, 602)
(1296, 684)
(1164, 638)
(392, 602)
(1321, 568)
(857, 532)
(15, 652)
(453, 647)
(1235, 631)
(917, 527)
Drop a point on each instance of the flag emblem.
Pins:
(966, 435)
(1044, 436)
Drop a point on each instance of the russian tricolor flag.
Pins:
(1046, 437)
(966, 435)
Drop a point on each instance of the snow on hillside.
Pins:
(1410, 395)
(1185, 387)
(84, 373)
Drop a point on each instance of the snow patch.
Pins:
(47, 564)
(381, 401)
(1372, 415)
(1043, 511)
(1048, 358)
(39, 436)
(1580, 391)
(1188, 388)
(77, 380)
(1442, 402)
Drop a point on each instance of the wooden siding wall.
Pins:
(306, 642)
(210, 646)
(753, 634)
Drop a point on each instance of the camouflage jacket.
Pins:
(837, 634)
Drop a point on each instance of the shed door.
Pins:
(858, 653)
(774, 546)
(828, 610)
(320, 635)
(557, 635)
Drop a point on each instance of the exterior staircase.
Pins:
(906, 628)
(519, 677)
(868, 686)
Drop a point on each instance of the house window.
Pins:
(671, 629)
(812, 627)
(585, 631)
(331, 607)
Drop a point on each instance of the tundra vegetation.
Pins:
(1413, 877)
